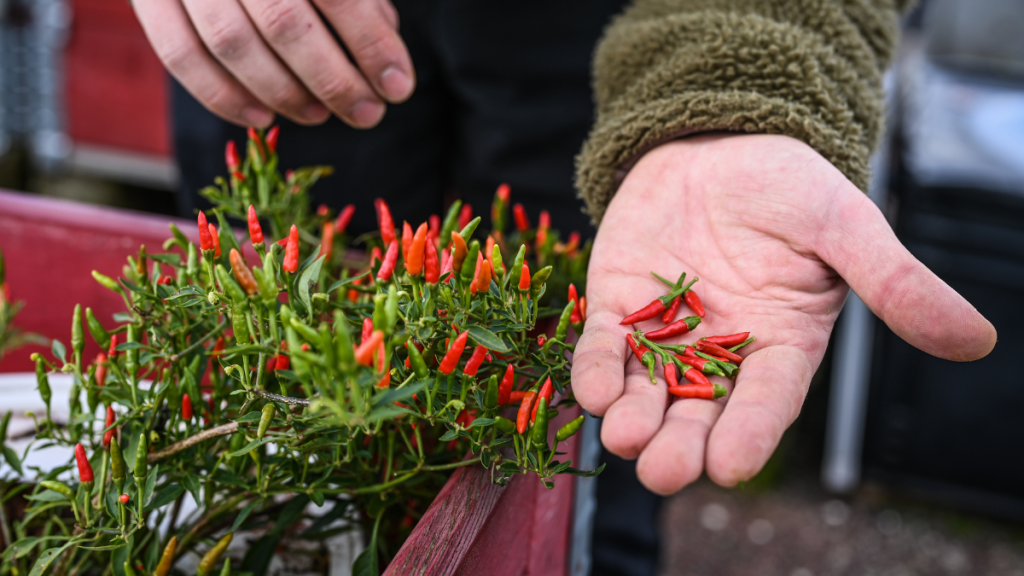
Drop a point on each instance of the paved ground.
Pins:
(794, 529)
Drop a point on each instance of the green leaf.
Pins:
(290, 513)
(243, 514)
(345, 281)
(186, 292)
(171, 259)
(400, 394)
(57, 347)
(129, 346)
(192, 485)
(169, 494)
(307, 278)
(250, 417)
(366, 563)
(110, 503)
(12, 458)
(133, 286)
(449, 435)
(121, 555)
(481, 422)
(488, 339)
(150, 484)
(107, 547)
(251, 446)
(317, 497)
(46, 496)
(47, 558)
(585, 473)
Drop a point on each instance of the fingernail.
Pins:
(397, 85)
(257, 117)
(366, 113)
(315, 112)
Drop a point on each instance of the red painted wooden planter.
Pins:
(472, 527)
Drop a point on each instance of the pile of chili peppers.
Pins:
(254, 375)
(712, 355)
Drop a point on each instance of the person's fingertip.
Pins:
(257, 117)
(366, 113)
(979, 344)
(315, 113)
(396, 84)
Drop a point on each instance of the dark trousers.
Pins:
(503, 95)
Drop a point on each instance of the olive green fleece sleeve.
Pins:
(810, 69)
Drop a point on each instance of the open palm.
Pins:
(777, 236)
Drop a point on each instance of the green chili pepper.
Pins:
(419, 367)
(504, 424)
(231, 288)
(60, 488)
(539, 432)
(390, 311)
(517, 267)
(77, 335)
(566, 432)
(540, 277)
(451, 220)
(379, 314)
(308, 334)
(469, 264)
(117, 464)
(131, 357)
(107, 282)
(128, 570)
(226, 569)
(467, 232)
(210, 558)
(563, 321)
(491, 395)
(141, 460)
(650, 361)
(99, 333)
(239, 323)
(496, 258)
(343, 342)
(3, 427)
(270, 277)
(42, 381)
(268, 415)
(192, 263)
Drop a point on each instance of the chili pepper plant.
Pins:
(312, 372)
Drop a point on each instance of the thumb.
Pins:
(915, 303)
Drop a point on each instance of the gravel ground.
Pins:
(794, 529)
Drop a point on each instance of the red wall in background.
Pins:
(116, 87)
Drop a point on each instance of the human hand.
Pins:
(776, 234)
(246, 59)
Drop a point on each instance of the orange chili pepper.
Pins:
(291, 251)
(327, 241)
(242, 273)
(414, 260)
(523, 417)
(406, 241)
(364, 353)
(459, 251)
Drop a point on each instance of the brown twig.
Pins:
(279, 398)
(221, 430)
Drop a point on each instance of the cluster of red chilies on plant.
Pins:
(715, 355)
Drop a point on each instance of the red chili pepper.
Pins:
(432, 271)
(446, 266)
(522, 220)
(271, 364)
(465, 215)
(365, 352)
(435, 225)
(109, 434)
(417, 251)
(406, 240)
(677, 328)
(516, 396)
(387, 267)
(272, 136)
(101, 364)
(255, 231)
(543, 225)
(375, 256)
(546, 391)
(216, 241)
(574, 243)
(714, 349)
(697, 377)
(238, 176)
(205, 240)
(381, 356)
(689, 352)
(474, 362)
(186, 408)
(84, 467)
(124, 498)
(451, 358)
(327, 241)
(693, 301)
(367, 329)
(255, 137)
(670, 375)
(693, 391)
(638, 349)
(218, 346)
(481, 276)
(165, 281)
(523, 417)
(291, 251)
(341, 224)
(583, 307)
(384, 221)
(694, 361)
(524, 280)
(112, 351)
(670, 313)
(504, 192)
(541, 340)
(728, 341)
(576, 315)
(231, 156)
(505, 388)
(645, 313)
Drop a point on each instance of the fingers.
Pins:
(769, 392)
(633, 419)
(369, 29)
(230, 36)
(294, 31)
(674, 458)
(598, 375)
(176, 43)
(919, 307)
